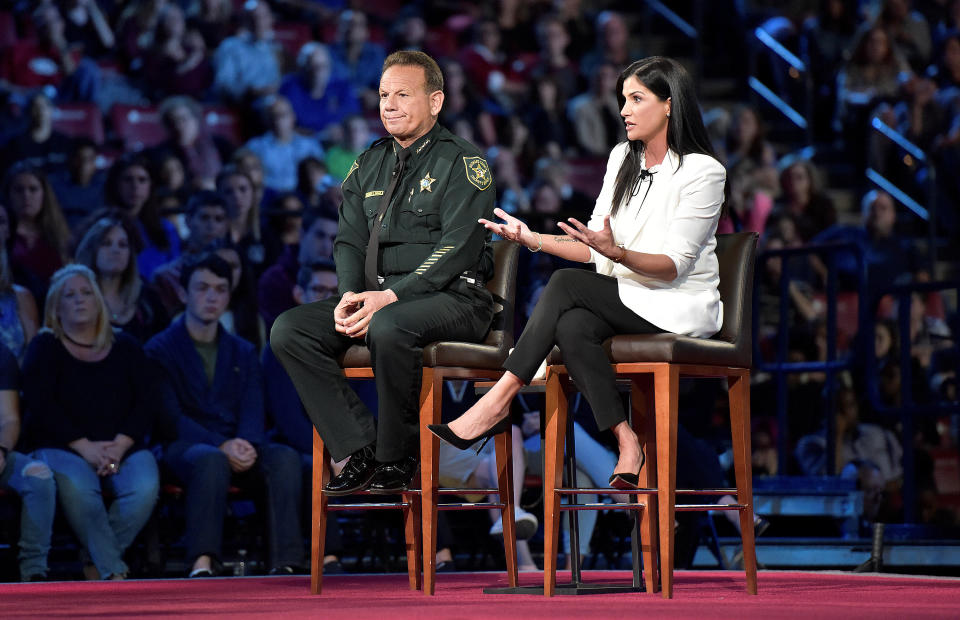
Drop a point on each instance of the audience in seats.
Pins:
(39, 144)
(130, 188)
(281, 148)
(212, 394)
(247, 64)
(243, 211)
(177, 52)
(320, 95)
(288, 419)
(109, 250)
(275, 290)
(213, 19)
(41, 235)
(804, 200)
(80, 186)
(29, 478)
(89, 405)
(358, 56)
(595, 114)
(189, 141)
(18, 308)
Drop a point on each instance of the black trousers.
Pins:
(577, 311)
(306, 343)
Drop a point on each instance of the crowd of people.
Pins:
(140, 276)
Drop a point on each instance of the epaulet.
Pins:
(356, 162)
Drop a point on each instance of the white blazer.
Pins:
(678, 218)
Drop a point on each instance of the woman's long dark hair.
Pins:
(686, 133)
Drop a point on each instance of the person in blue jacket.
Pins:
(211, 390)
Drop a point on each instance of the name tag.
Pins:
(372, 194)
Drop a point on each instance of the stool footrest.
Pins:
(454, 491)
(370, 506)
(606, 490)
(469, 506)
(602, 506)
(696, 507)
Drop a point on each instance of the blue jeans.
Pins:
(33, 482)
(105, 534)
(205, 473)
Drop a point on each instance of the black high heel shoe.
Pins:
(628, 482)
(443, 432)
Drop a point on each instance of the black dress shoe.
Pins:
(394, 477)
(356, 474)
(443, 432)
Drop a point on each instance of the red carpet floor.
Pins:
(699, 595)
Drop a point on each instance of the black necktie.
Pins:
(370, 271)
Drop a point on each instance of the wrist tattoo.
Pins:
(565, 239)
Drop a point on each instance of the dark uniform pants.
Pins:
(306, 343)
(577, 311)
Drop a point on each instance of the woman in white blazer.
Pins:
(651, 237)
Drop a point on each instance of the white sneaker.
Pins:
(526, 524)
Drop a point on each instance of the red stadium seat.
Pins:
(223, 122)
(79, 120)
(138, 127)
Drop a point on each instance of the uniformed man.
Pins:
(411, 263)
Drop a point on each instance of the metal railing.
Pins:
(763, 43)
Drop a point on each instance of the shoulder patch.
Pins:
(353, 167)
(478, 172)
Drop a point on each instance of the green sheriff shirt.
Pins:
(430, 235)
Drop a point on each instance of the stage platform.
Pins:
(697, 594)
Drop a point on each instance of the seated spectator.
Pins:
(281, 148)
(18, 308)
(285, 412)
(361, 58)
(207, 223)
(88, 407)
(213, 19)
(748, 203)
(356, 138)
(282, 224)
(242, 317)
(87, 28)
(41, 237)
(201, 154)
(613, 45)
(595, 114)
(48, 60)
(80, 188)
(908, 31)
(247, 65)
(237, 189)
(804, 200)
(134, 30)
(130, 188)
(856, 441)
(179, 54)
(275, 291)
(212, 394)
(108, 249)
(550, 130)
(31, 479)
(511, 195)
(250, 164)
(316, 186)
(463, 106)
(39, 145)
(555, 64)
(747, 140)
(319, 94)
(485, 65)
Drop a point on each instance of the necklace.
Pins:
(79, 344)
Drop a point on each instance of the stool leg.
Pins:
(556, 426)
(504, 448)
(739, 393)
(644, 425)
(431, 394)
(667, 381)
(413, 539)
(318, 527)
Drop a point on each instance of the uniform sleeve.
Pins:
(695, 219)
(350, 247)
(470, 195)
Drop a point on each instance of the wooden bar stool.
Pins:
(441, 361)
(654, 363)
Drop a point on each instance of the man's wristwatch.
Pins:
(623, 254)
